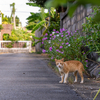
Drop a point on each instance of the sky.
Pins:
(22, 10)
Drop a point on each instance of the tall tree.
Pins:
(13, 13)
(39, 2)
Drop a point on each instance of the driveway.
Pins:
(27, 77)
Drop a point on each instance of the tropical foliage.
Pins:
(39, 2)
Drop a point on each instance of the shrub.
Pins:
(92, 31)
(64, 44)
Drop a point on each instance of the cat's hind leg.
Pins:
(75, 74)
(81, 75)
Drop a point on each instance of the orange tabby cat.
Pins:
(69, 66)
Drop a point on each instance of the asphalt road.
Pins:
(27, 77)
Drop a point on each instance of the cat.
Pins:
(69, 66)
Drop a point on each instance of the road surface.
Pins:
(27, 77)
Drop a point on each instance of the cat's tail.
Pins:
(85, 72)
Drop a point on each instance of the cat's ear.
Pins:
(62, 59)
(55, 60)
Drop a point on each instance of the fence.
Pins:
(15, 47)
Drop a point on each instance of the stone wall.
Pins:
(75, 23)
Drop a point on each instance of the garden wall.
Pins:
(75, 23)
(38, 33)
(16, 47)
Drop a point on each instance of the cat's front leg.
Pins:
(65, 78)
(62, 78)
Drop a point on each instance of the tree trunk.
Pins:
(14, 21)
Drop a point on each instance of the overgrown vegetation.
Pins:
(92, 31)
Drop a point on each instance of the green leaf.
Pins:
(72, 9)
(32, 4)
(38, 25)
(96, 18)
(55, 3)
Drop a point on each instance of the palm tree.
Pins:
(13, 13)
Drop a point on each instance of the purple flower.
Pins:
(61, 47)
(62, 52)
(68, 32)
(46, 34)
(61, 35)
(57, 50)
(67, 43)
(50, 38)
(86, 60)
(50, 34)
(66, 35)
(50, 48)
(59, 39)
(63, 29)
(45, 38)
(71, 34)
(57, 31)
(75, 31)
(54, 36)
(42, 43)
(51, 57)
(86, 65)
(43, 51)
(54, 30)
(84, 53)
(62, 43)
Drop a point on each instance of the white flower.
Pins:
(53, 33)
(69, 45)
(49, 41)
(57, 35)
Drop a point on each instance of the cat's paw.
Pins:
(75, 81)
(81, 82)
(60, 82)
(65, 82)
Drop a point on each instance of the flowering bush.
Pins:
(64, 44)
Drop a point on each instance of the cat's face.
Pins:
(59, 63)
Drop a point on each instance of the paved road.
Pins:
(27, 77)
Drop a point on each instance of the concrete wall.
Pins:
(75, 23)
(27, 49)
(38, 33)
